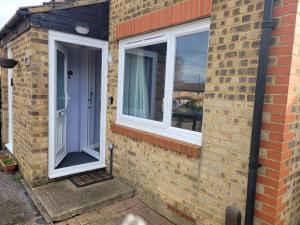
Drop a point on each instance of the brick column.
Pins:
(275, 198)
(4, 101)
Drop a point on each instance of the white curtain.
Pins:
(136, 86)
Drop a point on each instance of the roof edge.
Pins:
(23, 12)
(17, 17)
(49, 6)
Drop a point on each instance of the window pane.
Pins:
(189, 81)
(144, 81)
(60, 73)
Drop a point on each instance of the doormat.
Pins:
(88, 178)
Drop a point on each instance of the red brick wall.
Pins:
(280, 137)
(175, 14)
(158, 140)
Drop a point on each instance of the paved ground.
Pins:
(116, 213)
(62, 199)
(15, 206)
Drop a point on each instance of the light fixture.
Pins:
(82, 28)
(8, 63)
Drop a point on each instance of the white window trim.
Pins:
(153, 56)
(167, 35)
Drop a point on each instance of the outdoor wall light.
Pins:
(82, 28)
(8, 63)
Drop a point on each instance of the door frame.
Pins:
(9, 144)
(55, 36)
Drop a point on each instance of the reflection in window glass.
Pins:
(60, 95)
(189, 81)
(144, 81)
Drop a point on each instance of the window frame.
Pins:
(167, 36)
(153, 56)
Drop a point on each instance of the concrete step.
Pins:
(61, 200)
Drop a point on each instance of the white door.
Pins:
(94, 103)
(61, 103)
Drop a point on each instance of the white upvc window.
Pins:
(162, 79)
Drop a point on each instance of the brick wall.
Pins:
(278, 193)
(185, 189)
(228, 104)
(184, 184)
(39, 105)
(169, 15)
(4, 102)
(30, 105)
(291, 214)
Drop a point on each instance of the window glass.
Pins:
(189, 81)
(144, 81)
(60, 73)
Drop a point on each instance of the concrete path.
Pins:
(61, 199)
(16, 207)
(115, 215)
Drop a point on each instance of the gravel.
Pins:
(16, 208)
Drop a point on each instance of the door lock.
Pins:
(111, 100)
(62, 113)
(90, 100)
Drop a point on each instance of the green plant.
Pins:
(17, 177)
(7, 161)
(193, 104)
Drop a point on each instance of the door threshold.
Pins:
(62, 172)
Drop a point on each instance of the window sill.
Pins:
(181, 147)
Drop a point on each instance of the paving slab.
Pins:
(116, 213)
(62, 200)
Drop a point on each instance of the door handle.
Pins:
(90, 100)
